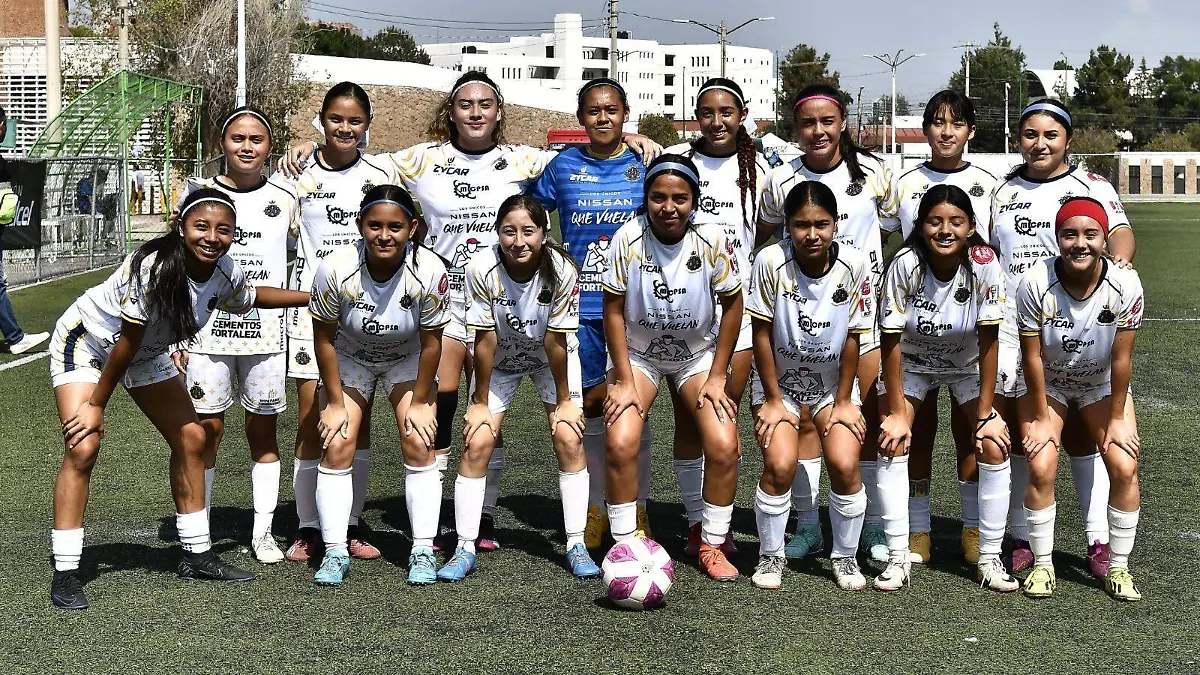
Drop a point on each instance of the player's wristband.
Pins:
(981, 421)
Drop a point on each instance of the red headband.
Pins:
(1082, 207)
(820, 97)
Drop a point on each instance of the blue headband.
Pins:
(1048, 107)
(673, 166)
(385, 201)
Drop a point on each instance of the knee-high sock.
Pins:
(468, 509)
(335, 496)
(1041, 533)
(573, 489)
(770, 514)
(423, 494)
(593, 452)
(622, 520)
(1091, 484)
(715, 523)
(870, 481)
(645, 473)
(361, 473)
(892, 474)
(1017, 522)
(690, 474)
(806, 488)
(846, 513)
(918, 505)
(1122, 526)
(304, 483)
(491, 493)
(994, 483)
(968, 500)
(264, 486)
(193, 531)
(67, 548)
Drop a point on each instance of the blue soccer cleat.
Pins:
(334, 568)
(459, 567)
(581, 563)
(422, 567)
(805, 542)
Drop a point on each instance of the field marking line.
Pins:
(1180, 320)
(23, 360)
(59, 278)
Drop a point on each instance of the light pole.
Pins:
(858, 129)
(893, 62)
(723, 32)
(241, 53)
(1007, 132)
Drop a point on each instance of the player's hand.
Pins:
(180, 358)
(1122, 433)
(295, 159)
(334, 420)
(644, 147)
(1123, 263)
(478, 416)
(87, 420)
(621, 395)
(994, 429)
(770, 415)
(895, 435)
(1038, 437)
(570, 414)
(713, 392)
(849, 416)
(421, 419)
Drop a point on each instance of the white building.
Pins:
(658, 78)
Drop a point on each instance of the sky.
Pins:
(1047, 31)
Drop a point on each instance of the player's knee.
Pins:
(340, 453)
(989, 453)
(83, 456)
(416, 452)
(778, 469)
(192, 438)
(621, 446)
(479, 448)
(721, 454)
(1122, 475)
(567, 444)
(843, 470)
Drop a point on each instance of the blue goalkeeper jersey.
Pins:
(593, 197)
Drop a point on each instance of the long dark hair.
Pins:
(166, 292)
(1030, 111)
(393, 193)
(849, 148)
(747, 152)
(442, 128)
(347, 90)
(810, 192)
(960, 108)
(550, 247)
(942, 193)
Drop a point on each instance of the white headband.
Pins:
(384, 201)
(673, 166)
(202, 200)
(457, 89)
(741, 101)
(238, 113)
(1048, 107)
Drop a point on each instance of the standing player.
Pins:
(248, 350)
(378, 310)
(866, 204)
(1023, 210)
(949, 123)
(120, 332)
(1078, 316)
(524, 309)
(811, 299)
(942, 306)
(661, 295)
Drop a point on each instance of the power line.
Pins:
(316, 3)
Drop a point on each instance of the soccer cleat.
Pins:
(716, 565)
(643, 523)
(66, 591)
(460, 566)
(874, 542)
(306, 545)
(487, 534)
(28, 342)
(848, 575)
(1040, 582)
(596, 528)
(991, 574)
(581, 563)
(693, 541)
(422, 568)
(768, 573)
(334, 568)
(446, 541)
(970, 545)
(895, 576)
(358, 546)
(194, 566)
(266, 551)
(1022, 556)
(919, 548)
(1119, 584)
(1097, 557)
(805, 542)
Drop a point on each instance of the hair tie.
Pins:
(385, 200)
(820, 97)
(1046, 106)
(1082, 206)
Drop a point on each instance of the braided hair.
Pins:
(747, 151)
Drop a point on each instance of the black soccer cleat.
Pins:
(208, 566)
(66, 591)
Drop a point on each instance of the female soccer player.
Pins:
(120, 332)
(949, 123)
(378, 308)
(248, 352)
(661, 294)
(732, 172)
(942, 306)
(524, 296)
(1023, 210)
(866, 202)
(811, 299)
(1078, 315)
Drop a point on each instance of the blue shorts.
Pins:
(593, 351)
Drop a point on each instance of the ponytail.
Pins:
(747, 157)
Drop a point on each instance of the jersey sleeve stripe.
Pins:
(1119, 226)
(896, 331)
(987, 322)
(756, 315)
(735, 291)
(477, 326)
(552, 329)
(130, 319)
(610, 289)
(322, 319)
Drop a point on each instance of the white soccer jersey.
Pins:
(938, 319)
(864, 207)
(1077, 335)
(378, 323)
(329, 202)
(521, 313)
(811, 317)
(912, 185)
(670, 289)
(103, 307)
(265, 215)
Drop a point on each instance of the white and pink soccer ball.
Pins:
(638, 573)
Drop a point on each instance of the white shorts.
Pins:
(745, 335)
(868, 341)
(1082, 398)
(457, 328)
(1010, 375)
(302, 359)
(504, 385)
(76, 356)
(963, 387)
(676, 372)
(260, 378)
(816, 402)
(363, 377)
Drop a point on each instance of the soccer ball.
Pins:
(638, 573)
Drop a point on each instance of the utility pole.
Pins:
(723, 32)
(858, 129)
(724, 35)
(893, 62)
(241, 52)
(1007, 132)
(53, 63)
(612, 39)
(123, 34)
(968, 46)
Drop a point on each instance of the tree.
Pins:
(1098, 144)
(1061, 64)
(659, 128)
(397, 45)
(992, 66)
(801, 67)
(1102, 90)
(881, 110)
(1143, 91)
(1178, 95)
(389, 44)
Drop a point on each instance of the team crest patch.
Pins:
(693, 263)
(444, 285)
(212, 303)
(1065, 198)
(1106, 316)
(367, 187)
(962, 295)
(96, 363)
(840, 296)
(303, 358)
(272, 210)
(855, 188)
(196, 392)
(501, 164)
(633, 173)
(982, 254)
(976, 190)
(544, 296)
(406, 302)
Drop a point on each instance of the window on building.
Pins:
(1180, 180)
(549, 51)
(1156, 180)
(669, 80)
(668, 99)
(669, 59)
(1135, 179)
(469, 50)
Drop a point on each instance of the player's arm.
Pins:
(1121, 245)
(267, 297)
(333, 418)
(622, 393)
(89, 416)
(478, 413)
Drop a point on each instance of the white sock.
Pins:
(593, 452)
(469, 494)
(622, 520)
(1091, 484)
(690, 474)
(715, 523)
(193, 531)
(491, 494)
(423, 494)
(361, 473)
(918, 505)
(892, 474)
(573, 489)
(335, 498)
(209, 473)
(771, 514)
(806, 490)
(992, 499)
(968, 501)
(67, 548)
(304, 484)
(869, 471)
(846, 514)
(441, 461)
(645, 473)
(264, 485)
(1122, 526)
(1017, 523)
(1041, 533)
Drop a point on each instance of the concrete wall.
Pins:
(25, 18)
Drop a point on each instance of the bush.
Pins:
(659, 128)
(1100, 144)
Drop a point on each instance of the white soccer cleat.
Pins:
(769, 572)
(266, 550)
(848, 575)
(28, 342)
(897, 575)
